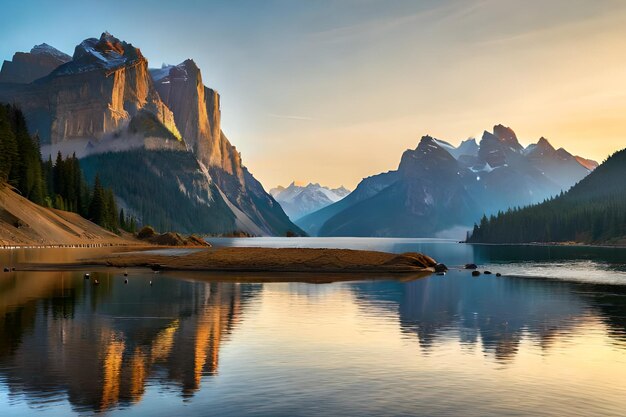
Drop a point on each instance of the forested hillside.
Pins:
(58, 184)
(166, 188)
(593, 211)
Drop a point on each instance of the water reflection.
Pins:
(496, 313)
(61, 335)
(451, 345)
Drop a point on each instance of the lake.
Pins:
(546, 339)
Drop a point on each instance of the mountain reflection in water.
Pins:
(497, 312)
(99, 344)
(441, 345)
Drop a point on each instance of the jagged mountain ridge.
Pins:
(441, 190)
(105, 99)
(299, 200)
(26, 67)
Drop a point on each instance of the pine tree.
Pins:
(122, 220)
(97, 206)
(111, 211)
(8, 145)
(59, 203)
(57, 175)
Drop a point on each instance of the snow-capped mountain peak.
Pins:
(300, 200)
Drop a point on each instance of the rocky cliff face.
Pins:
(96, 93)
(197, 113)
(101, 89)
(105, 99)
(507, 136)
(439, 188)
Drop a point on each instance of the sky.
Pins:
(335, 91)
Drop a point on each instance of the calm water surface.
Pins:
(547, 339)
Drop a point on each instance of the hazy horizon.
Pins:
(325, 92)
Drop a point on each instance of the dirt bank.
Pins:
(24, 223)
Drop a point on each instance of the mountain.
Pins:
(592, 211)
(427, 197)
(298, 201)
(107, 106)
(26, 67)
(441, 190)
(367, 188)
(96, 93)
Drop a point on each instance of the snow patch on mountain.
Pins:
(159, 73)
(45, 49)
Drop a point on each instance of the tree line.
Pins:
(59, 184)
(593, 211)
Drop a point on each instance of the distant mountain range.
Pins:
(592, 211)
(105, 99)
(299, 200)
(441, 190)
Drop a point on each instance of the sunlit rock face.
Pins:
(197, 114)
(26, 67)
(507, 136)
(104, 85)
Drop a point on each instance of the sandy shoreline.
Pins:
(241, 259)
